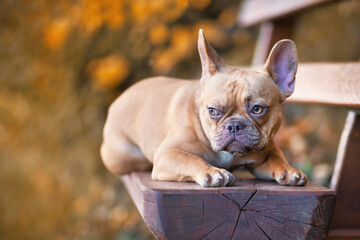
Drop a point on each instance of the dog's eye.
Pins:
(213, 112)
(257, 109)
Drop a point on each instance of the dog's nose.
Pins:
(234, 127)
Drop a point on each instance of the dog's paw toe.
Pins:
(229, 179)
(291, 177)
(280, 178)
(303, 180)
(207, 181)
(217, 178)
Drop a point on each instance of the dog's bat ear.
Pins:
(281, 65)
(210, 60)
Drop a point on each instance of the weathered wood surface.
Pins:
(346, 182)
(336, 84)
(256, 11)
(251, 209)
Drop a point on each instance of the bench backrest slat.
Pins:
(335, 84)
(256, 11)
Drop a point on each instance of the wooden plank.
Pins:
(263, 43)
(250, 209)
(328, 83)
(269, 34)
(346, 181)
(336, 84)
(253, 12)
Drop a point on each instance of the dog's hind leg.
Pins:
(121, 156)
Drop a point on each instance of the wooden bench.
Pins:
(255, 209)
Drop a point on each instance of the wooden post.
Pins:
(346, 182)
(269, 33)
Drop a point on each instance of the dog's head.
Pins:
(240, 111)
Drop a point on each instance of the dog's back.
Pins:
(143, 107)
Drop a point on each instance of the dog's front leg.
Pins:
(276, 167)
(179, 165)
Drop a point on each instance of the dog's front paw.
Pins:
(290, 176)
(215, 177)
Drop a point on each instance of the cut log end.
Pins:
(250, 209)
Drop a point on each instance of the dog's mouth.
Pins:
(246, 141)
(236, 147)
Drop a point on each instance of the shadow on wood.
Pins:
(250, 209)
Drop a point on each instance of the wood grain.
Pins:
(256, 11)
(336, 84)
(251, 209)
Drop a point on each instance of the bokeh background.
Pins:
(63, 62)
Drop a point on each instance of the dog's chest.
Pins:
(220, 159)
(226, 160)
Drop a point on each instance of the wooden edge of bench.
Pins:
(145, 183)
(253, 12)
(173, 209)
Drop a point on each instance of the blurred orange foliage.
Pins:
(56, 33)
(109, 71)
(159, 34)
(148, 29)
(182, 44)
(199, 4)
(91, 17)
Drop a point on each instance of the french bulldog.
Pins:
(199, 130)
